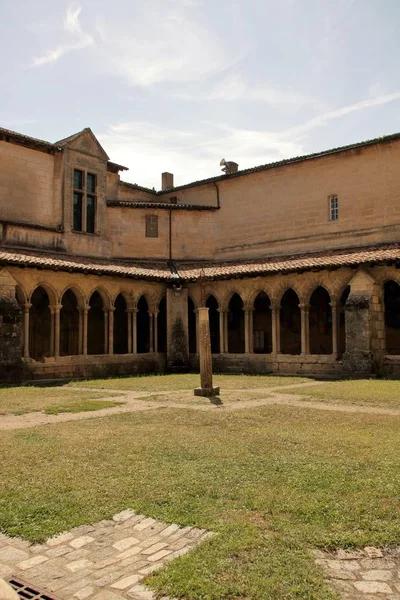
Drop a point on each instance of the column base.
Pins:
(207, 392)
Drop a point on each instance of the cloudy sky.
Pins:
(175, 85)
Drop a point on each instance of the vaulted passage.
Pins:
(392, 317)
(213, 315)
(236, 343)
(96, 325)
(69, 324)
(192, 326)
(290, 323)
(143, 326)
(320, 320)
(40, 325)
(120, 325)
(162, 325)
(342, 320)
(262, 324)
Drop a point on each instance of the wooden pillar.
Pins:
(85, 328)
(111, 331)
(305, 328)
(335, 328)
(26, 329)
(155, 315)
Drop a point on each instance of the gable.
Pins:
(85, 141)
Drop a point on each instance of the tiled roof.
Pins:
(165, 205)
(25, 140)
(155, 271)
(306, 262)
(187, 272)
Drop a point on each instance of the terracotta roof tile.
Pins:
(165, 205)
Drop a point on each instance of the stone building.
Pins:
(99, 276)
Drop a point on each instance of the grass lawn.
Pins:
(376, 392)
(19, 400)
(159, 383)
(273, 482)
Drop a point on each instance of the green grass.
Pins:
(375, 392)
(159, 383)
(273, 482)
(19, 400)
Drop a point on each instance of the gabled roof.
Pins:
(14, 137)
(76, 136)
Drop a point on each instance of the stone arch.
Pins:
(21, 295)
(79, 295)
(283, 288)
(162, 325)
(143, 325)
(104, 296)
(213, 314)
(262, 323)
(40, 324)
(320, 321)
(192, 328)
(236, 333)
(391, 295)
(69, 323)
(228, 297)
(97, 335)
(120, 324)
(317, 283)
(50, 291)
(290, 323)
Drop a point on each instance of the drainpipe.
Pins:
(217, 188)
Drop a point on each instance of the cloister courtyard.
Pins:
(290, 474)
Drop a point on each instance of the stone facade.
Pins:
(85, 290)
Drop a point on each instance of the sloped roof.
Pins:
(165, 205)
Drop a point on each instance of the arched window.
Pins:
(236, 343)
(96, 325)
(192, 326)
(40, 325)
(290, 323)
(120, 325)
(392, 316)
(162, 325)
(213, 316)
(320, 322)
(143, 326)
(69, 325)
(262, 325)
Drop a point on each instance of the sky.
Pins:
(177, 85)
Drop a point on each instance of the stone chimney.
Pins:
(167, 181)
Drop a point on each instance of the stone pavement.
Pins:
(368, 574)
(105, 561)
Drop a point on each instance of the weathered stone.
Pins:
(373, 552)
(373, 587)
(377, 575)
(7, 592)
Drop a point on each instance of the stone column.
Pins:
(206, 382)
(111, 331)
(80, 331)
(226, 344)
(246, 331)
(197, 332)
(105, 311)
(134, 331)
(251, 329)
(57, 309)
(177, 329)
(221, 330)
(335, 327)
(85, 328)
(151, 334)
(26, 329)
(51, 308)
(275, 325)
(156, 330)
(305, 328)
(129, 332)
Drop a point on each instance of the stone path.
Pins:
(368, 574)
(105, 561)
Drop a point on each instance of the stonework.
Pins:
(319, 297)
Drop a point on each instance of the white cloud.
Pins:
(73, 28)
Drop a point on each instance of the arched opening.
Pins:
(40, 325)
(236, 325)
(96, 325)
(143, 326)
(162, 325)
(262, 324)
(213, 316)
(392, 316)
(69, 325)
(342, 320)
(290, 323)
(320, 322)
(192, 326)
(120, 325)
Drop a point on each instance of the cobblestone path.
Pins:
(105, 561)
(368, 574)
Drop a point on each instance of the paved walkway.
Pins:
(368, 574)
(105, 561)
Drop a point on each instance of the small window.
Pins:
(333, 208)
(151, 226)
(84, 201)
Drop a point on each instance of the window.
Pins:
(151, 226)
(84, 201)
(333, 208)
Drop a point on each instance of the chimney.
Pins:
(167, 181)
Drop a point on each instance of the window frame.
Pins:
(151, 228)
(333, 207)
(85, 194)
